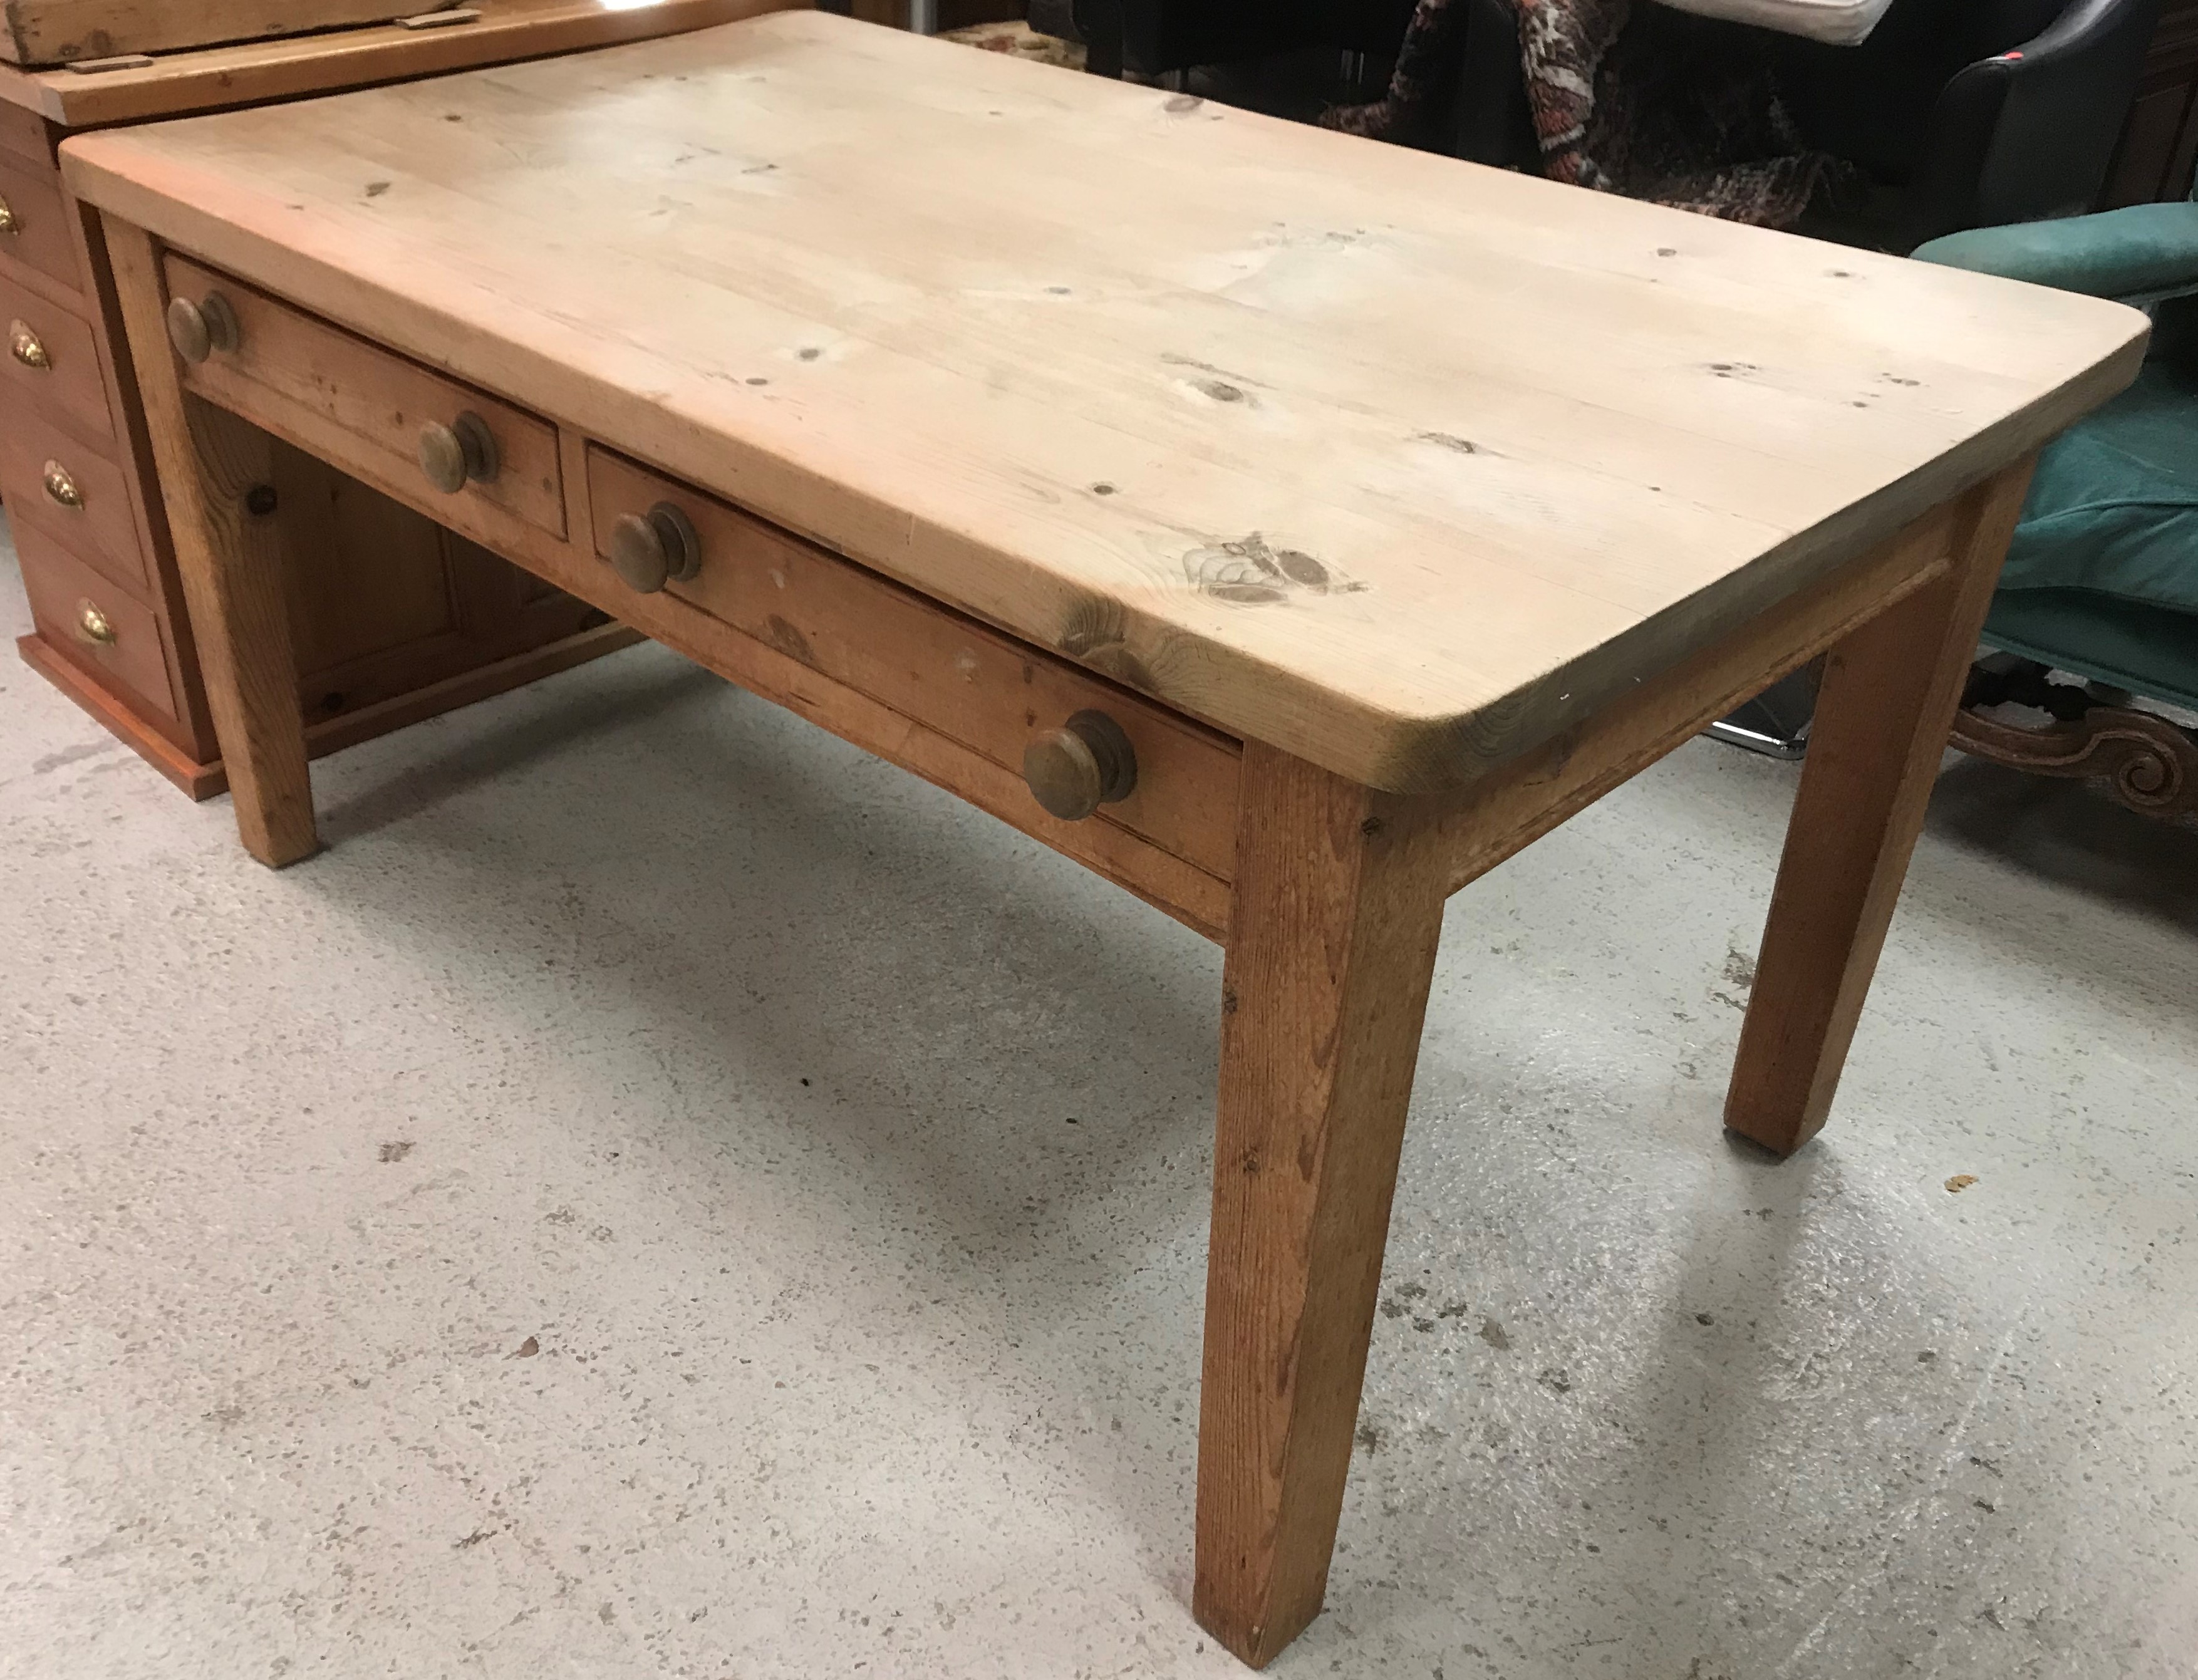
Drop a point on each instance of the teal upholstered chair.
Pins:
(2102, 579)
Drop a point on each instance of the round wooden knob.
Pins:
(649, 550)
(1086, 763)
(461, 453)
(27, 347)
(61, 485)
(93, 625)
(198, 330)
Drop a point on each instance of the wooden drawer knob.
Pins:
(1086, 763)
(27, 347)
(649, 550)
(61, 487)
(9, 224)
(93, 625)
(461, 453)
(198, 330)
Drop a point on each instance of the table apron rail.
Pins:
(896, 674)
(1514, 805)
(902, 676)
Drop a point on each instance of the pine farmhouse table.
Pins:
(1287, 526)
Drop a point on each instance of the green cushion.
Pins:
(2146, 252)
(2114, 508)
(2143, 648)
(2103, 576)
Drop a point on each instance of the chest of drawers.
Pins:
(394, 616)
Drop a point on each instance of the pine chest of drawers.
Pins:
(394, 616)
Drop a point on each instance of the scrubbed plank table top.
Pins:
(1396, 463)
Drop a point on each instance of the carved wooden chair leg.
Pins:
(2150, 763)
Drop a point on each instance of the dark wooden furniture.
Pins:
(2148, 762)
(2154, 162)
(393, 617)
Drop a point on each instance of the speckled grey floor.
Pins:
(666, 1195)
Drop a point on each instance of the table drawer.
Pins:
(85, 615)
(364, 409)
(34, 225)
(52, 359)
(49, 479)
(985, 690)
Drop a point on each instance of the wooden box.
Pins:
(60, 31)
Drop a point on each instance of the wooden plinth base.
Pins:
(203, 781)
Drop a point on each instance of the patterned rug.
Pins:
(1018, 40)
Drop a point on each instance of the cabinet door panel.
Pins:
(367, 575)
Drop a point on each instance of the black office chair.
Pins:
(1153, 38)
(1962, 114)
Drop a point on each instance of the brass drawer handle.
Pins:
(94, 626)
(9, 224)
(461, 453)
(1086, 763)
(27, 347)
(61, 486)
(198, 330)
(653, 550)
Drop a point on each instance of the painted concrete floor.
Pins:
(666, 1195)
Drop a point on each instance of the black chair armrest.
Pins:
(2029, 133)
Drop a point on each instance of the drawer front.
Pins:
(24, 133)
(52, 360)
(84, 614)
(34, 226)
(985, 690)
(77, 493)
(364, 409)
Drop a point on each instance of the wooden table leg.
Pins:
(1882, 717)
(1331, 951)
(231, 563)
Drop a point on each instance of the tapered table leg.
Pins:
(230, 559)
(1332, 948)
(1883, 714)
